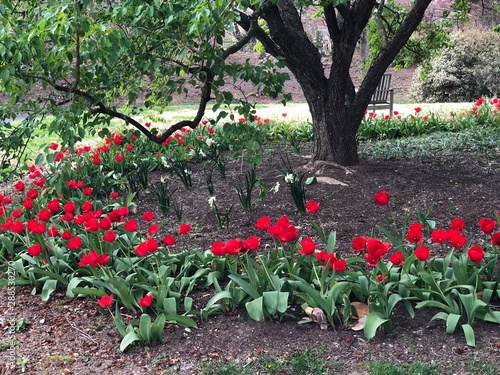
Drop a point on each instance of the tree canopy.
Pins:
(79, 59)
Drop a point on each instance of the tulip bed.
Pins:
(73, 223)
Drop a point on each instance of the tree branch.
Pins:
(97, 107)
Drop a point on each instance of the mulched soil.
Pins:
(72, 336)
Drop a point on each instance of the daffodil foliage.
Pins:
(88, 61)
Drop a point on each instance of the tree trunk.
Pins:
(336, 108)
(334, 133)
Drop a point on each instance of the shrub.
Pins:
(465, 71)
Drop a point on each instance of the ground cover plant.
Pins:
(84, 226)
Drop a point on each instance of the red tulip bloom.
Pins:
(382, 278)
(53, 206)
(93, 259)
(114, 195)
(91, 225)
(35, 250)
(495, 239)
(142, 249)
(397, 259)
(308, 246)
(458, 241)
(75, 243)
(168, 240)
(439, 235)
(88, 191)
(17, 227)
(288, 234)
(359, 244)
(184, 229)
(476, 254)
(16, 214)
(252, 243)
(340, 265)
(27, 203)
(36, 227)
(105, 301)
(312, 207)
(152, 245)
(87, 206)
(69, 207)
(218, 248)
(414, 236)
(457, 224)
(146, 301)
(53, 232)
(44, 215)
(233, 247)
(381, 198)
(66, 234)
(131, 226)
(487, 225)
(105, 223)
(422, 253)
(19, 186)
(32, 194)
(148, 216)
(153, 229)
(40, 182)
(263, 223)
(110, 236)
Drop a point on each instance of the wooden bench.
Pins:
(383, 98)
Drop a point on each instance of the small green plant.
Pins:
(222, 217)
(387, 367)
(183, 170)
(19, 325)
(163, 194)
(296, 185)
(209, 180)
(245, 193)
(146, 332)
(482, 367)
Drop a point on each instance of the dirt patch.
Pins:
(71, 336)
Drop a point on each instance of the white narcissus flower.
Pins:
(211, 201)
(290, 177)
(276, 187)
(209, 142)
(163, 179)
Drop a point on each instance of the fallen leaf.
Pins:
(361, 310)
(330, 181)
(360, 324)
(318, 316)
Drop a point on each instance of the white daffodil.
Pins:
(211, 202)
(209, 142)
(276, 188)
(289, 178)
